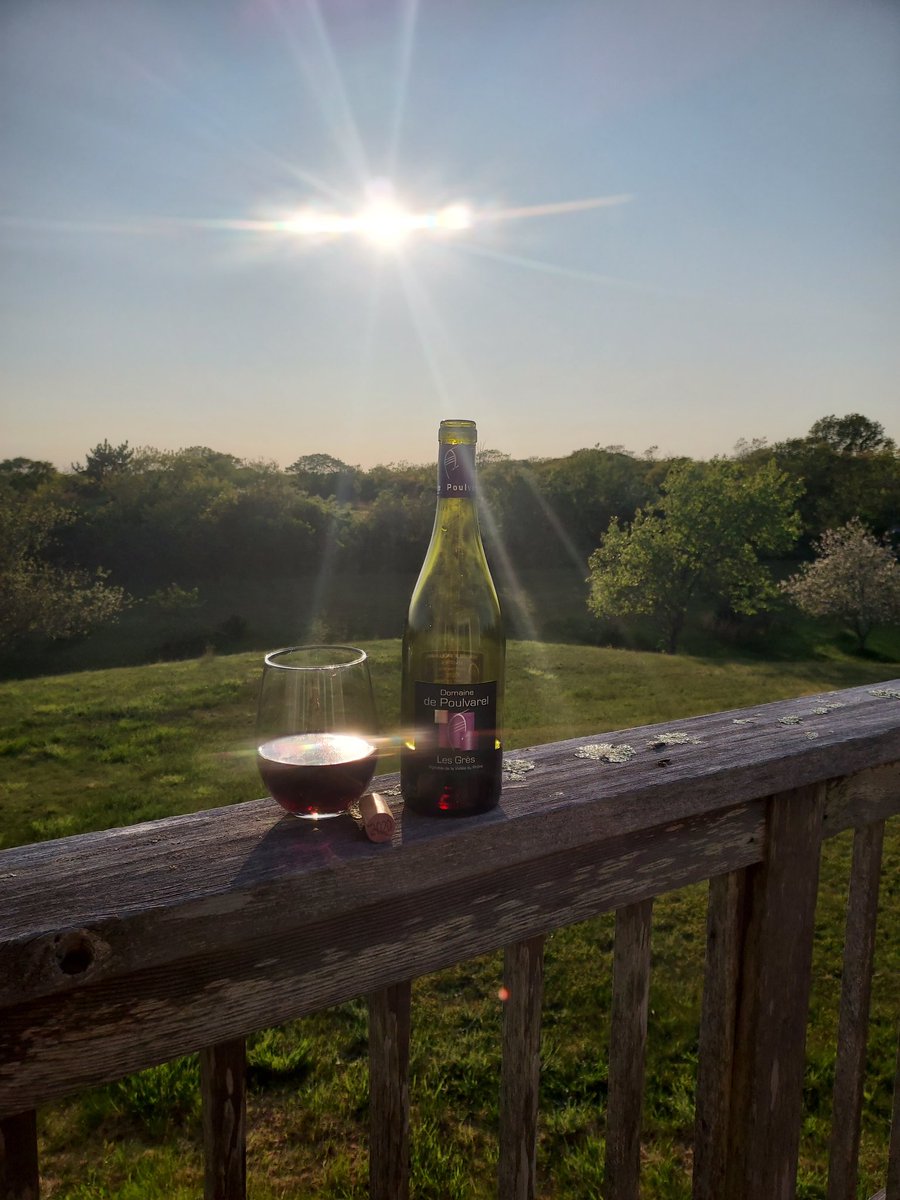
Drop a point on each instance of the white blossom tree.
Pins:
(853, 577)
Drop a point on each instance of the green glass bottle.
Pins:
(453, 653)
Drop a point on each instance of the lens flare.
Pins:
(383, 222)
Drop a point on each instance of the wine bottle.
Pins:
(453, 653)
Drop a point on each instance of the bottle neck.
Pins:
(456, 521)
(456, 471)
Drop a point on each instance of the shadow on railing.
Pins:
(125, 948)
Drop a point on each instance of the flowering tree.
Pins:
(854, 577)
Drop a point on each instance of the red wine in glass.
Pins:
(316, 744)
(317, 774)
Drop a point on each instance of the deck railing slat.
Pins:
(770, 1039)
(853, 1023)
(389, 1030)
(223, 1089)
(627, 1050)
(523, 982)
(19, 1176)
(724, 949)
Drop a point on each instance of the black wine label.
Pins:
(455, 725)
(456, 470)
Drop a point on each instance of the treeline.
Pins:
(149, 519)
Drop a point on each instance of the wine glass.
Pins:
(316, 729)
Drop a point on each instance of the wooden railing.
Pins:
(125, 948)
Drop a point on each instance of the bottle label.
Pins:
(455, 724)
(456, 470)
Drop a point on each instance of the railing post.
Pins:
(223, 1087)
(892, 1191)
(853, 1024)
(19, 1179)
(523, 983)
(770, 1036)
(389, 1092)
(627, 1050)
(724, 949)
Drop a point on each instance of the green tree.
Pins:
(589, 487)
(853, 577)
(266, 527)
(484, 456)
(852, 434)
(105, 459)
(38, 599)
(849, 468)
(317, 464)
(393, 532)
(326, 476)
(157, 521)
(415, 480)
(26, 474)
(517, 522)
(706, 537)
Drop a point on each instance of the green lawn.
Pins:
(97, 749)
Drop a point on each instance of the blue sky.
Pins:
(745, 281)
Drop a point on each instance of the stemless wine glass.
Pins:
(316, 729)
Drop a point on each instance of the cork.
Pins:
(378, 820)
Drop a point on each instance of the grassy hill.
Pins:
(102, 748)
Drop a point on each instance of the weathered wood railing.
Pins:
(125, 948)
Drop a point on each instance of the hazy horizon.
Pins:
(624, 224)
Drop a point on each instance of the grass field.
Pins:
(97, 749)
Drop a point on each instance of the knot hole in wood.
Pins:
(74, 952)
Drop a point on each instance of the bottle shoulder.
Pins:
(448, 585)
(454, 588)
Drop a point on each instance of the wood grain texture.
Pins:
(223, 1089)
(860, 799)
(853, 1023)
(523, 979)
(770, 1037)
(124, 948)
(130, 1022)
(19, 1177)
(389, 1029)
(725, 926)
(129, 893)
(627, 1050)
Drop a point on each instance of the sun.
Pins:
(387, 225)
(382, 222)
